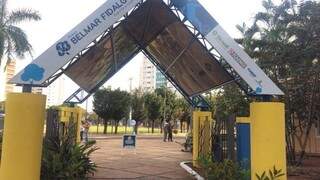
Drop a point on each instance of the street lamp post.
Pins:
(130, 111)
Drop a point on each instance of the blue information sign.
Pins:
(129, 141)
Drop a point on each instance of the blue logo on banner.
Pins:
(32, 73)
(63, 48)
(258, 90)
(197, 15)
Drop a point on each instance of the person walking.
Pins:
(82, 130)
(86, 127)
(165, 131)
(170, 127)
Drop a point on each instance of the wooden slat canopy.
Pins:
(156, 29)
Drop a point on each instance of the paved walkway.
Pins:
(153, 159)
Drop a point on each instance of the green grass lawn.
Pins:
(121, 130)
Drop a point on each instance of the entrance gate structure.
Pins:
(180, 38)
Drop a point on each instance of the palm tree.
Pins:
(13, 40)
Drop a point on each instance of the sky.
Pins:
(60, 16)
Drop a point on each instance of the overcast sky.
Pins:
(60, 16)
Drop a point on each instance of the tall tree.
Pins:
(139, 111)
(169, 100)
(184, 112)
(13, 40)
(285, 41)
(153, 105)
(304, 86)
(101, 106)
(111, 105)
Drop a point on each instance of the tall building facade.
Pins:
(151, 78)
(147, 75)
(161, 80)
(55, 92)
(37, 90)
(10, 72)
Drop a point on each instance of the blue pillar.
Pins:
(243, 144)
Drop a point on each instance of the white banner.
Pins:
(239, 60)
(235, 56)
(73, 42)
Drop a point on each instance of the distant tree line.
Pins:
(148, 108)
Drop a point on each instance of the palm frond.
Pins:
(8, 52)
(19, 40)
(250, 32)
(2, 45)
(20, 15)
(268, 4)
(241, 28)
(262, 17)
(3, 10)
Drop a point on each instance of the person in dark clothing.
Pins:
(170, 127)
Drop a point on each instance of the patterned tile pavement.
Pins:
(152, 159)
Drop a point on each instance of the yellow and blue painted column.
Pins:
(201, 131)
(243, 141)
(268, 147)
(23, 135)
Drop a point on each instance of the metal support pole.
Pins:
(27, 88)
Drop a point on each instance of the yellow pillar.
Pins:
(267, 138)
(23, 134)
(201, 131)
(77, 114)
(80, 117)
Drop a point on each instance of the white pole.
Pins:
(130, 111)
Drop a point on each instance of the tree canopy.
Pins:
(284, 39)
(111, 105)
(139, 111)
(154, 105)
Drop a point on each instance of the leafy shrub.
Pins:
(226, 170)
(63, 159)
(188, 143)
(274, 174)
